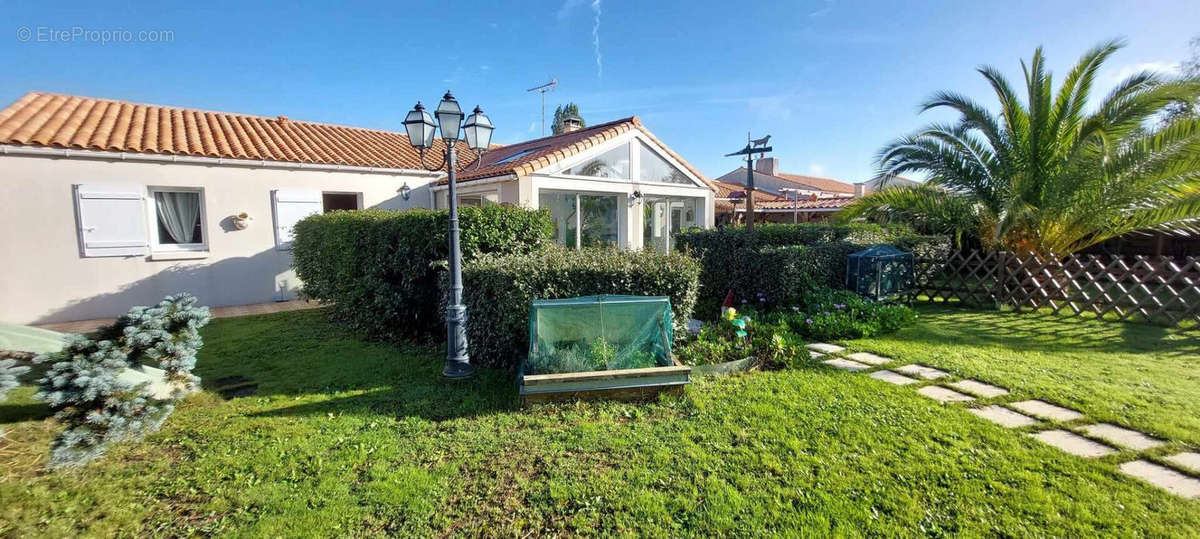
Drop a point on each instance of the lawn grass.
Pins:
(351, 438)
(1141, 376)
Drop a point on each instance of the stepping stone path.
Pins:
(892, 378)
(867, 357)
(944, 395)
(1188, 461)
(1129, 439)
(979, 389)
(928, 373)
(1003, 416)
(1172, 481)
(1046, 410)
(825, 348)
(846, 364)
(1073, 443)
(1163, 477)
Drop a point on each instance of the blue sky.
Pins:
(832, 81)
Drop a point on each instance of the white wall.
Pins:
(43, 277)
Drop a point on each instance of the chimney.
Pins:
(860, 189)
(768, 165)
(571, 124)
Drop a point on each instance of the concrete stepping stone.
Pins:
(1003, 416)
(1129, 439)
(979, 389)
(1046, 410)
(928, 373)
(1189, 461)
(825, 348)
(1073, 443)
(815, 355)
(1163, 477)
(867, 357)
(846, 365)
(892, 378)
(944, 395)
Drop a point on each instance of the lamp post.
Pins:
(478, 131)
(759, 147)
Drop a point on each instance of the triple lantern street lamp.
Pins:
(478, 134)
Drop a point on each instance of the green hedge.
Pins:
(498, 291)
(778, 262)
(379, 268)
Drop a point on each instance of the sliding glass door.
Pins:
(582, 220)
(664, 217)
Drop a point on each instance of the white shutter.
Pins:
(112, 221)
(290, 206)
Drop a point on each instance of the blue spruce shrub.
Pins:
(10, 370)
(84, 388)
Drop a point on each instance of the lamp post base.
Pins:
(458, 370)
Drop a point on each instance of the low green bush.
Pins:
(379, 268)
(735, 336)
(498, 291)
(777, 263)
(828, 314)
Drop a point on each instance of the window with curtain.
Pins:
(179, 218)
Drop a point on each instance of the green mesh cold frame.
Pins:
(598, 333)
(879, 272)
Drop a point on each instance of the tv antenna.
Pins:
(543, 89)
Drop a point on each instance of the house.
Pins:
(780, 197)
(768, 178)
(110, 204)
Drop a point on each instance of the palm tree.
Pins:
(1049, 174)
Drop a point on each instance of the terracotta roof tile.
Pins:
(823, 184)
(804, 204)
(63, 121)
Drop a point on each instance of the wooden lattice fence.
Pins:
(1156, 289)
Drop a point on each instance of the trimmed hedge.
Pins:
(778, 262)
(379, 268)
(498, 291)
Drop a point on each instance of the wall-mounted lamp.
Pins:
(405, 191)
(635, 197)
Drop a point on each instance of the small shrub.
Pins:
(379, 268)
(735, 337)
(829, 314)
(84, 388)
(498, 291)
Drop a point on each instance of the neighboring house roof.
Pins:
(821, 184)
(524, 158)
(64, 121)
(730, 195)
(802, 204)
(796, 181)
(890, 179)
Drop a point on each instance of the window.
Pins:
(663, 218)
(582, 220)
(611, 164)
(656, 169)
(339, 201)
(479, 199)
(178, 222)
(519, 155)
